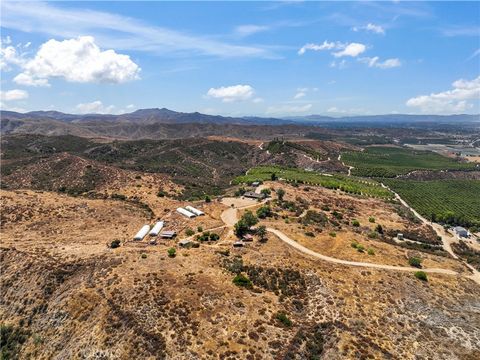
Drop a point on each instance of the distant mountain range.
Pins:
(161, 123)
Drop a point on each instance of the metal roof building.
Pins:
(142, 232)
(186, 213)
(195, 211)
(156, 228)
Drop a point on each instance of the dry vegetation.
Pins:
(77, 298)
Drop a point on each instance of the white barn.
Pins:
(156, 229)
(195, 211)
(186, 213)
(142, 232)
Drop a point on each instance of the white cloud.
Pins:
(77, 60)
(377, 29)
(288, 109)
(451, 101)
(26, 79)
(258, 100)
(342, 64)
(95, 107)
(231, 93)
(9, 55)
(300, 95)
(352, 49)
(319, 47)
(344, 49)
(387, 64)
(117, 32)
(13, 95)
(247, 30)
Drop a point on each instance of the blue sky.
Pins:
(242, 58)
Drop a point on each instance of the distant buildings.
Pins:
(254, 195)
(460, 231)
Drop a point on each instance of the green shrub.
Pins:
(379, 229)
(371, 219)
(144, 256)
(172, 252)
(280, 194)
(421, 275)
(325, 208)
(372, 235)
(283, 318)
(161, 193)
(189, 232)
(115, 244)
(415, 262)
(370, 251)
(11, 340)
(360, 248)
(355, 223)
(199, 229)
(264, 212)
(309, 233)
(242, 281)
(354, 244)
(332, 234)
(208, 199)
(214, 237)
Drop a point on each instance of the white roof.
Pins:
(186, 212)
(142, 232)
(156, 228)
(195, 211)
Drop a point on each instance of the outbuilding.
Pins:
(142, 232)
(461, 231)
(400, 236)
(168, 234)
(186, 213)
(238, 244)
(247, 237)
(194, 211)
(156, 229)
(255, 183)
(254, 195)
(184, 243)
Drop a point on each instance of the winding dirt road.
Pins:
(230, 217)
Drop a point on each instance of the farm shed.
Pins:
(184, 243)
(168, 234)
(195, 211)
(238, 244)
(186, 213)
(142, 232)
(247, 237)
(156, 229)
(400, 236)
(254, 195)
(255, 183)
(461, 231)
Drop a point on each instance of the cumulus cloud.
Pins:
(231, 93)
(288, 109)
(77, 60)
(13, 95)
(28, 80)
(377, 29)
(451, 101)
(343, 49)
(94, 107)
(352, 49)
(9, 55)
(387, 64)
